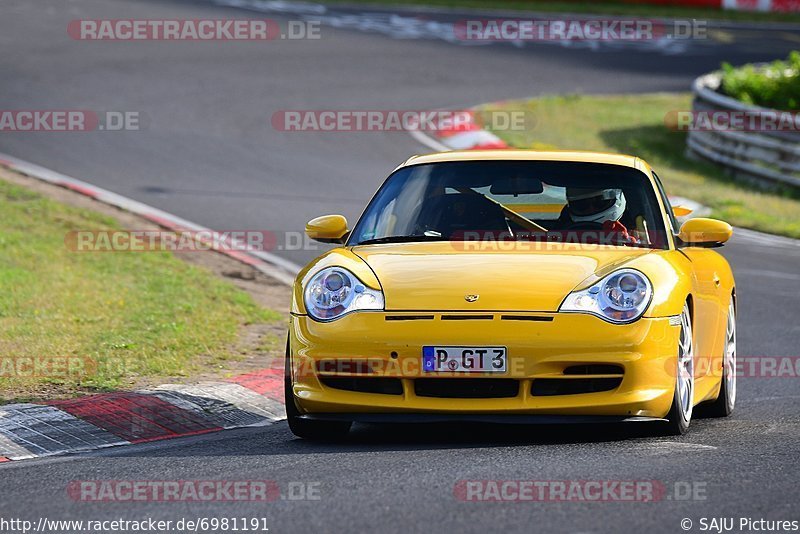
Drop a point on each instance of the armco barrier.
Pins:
(769, 157)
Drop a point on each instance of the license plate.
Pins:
(464, 359)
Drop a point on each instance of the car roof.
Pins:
(526, 155)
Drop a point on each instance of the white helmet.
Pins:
(595, 205)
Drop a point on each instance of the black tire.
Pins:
(304, 428)
(676, 425)
(725, 401)
(680, 415)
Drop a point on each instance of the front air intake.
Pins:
(466, 388)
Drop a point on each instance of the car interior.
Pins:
(520, 200)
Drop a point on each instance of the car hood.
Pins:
(439, 276)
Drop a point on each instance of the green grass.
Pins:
(634, 124)
(121, 316)
(598, 8)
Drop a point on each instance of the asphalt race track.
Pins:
(207, 152)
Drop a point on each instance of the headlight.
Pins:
(620, 297)
(334, 291)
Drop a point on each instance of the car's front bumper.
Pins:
(540, 347)
(493, 418)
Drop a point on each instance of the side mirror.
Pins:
(705, 232)
(327, 229)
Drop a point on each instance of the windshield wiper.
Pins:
(402, 239)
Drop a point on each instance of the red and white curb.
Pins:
(32, 430)
(123, 418)
(464, 134)
(778, 6)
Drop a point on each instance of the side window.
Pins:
(673, 222)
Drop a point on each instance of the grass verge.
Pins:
(84, 321)
(594, 8)
(634, 124)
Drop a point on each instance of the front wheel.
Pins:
(723, 406)
(680, 414)
(304, 428)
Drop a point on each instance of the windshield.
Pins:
(516, 200)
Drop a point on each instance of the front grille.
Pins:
(544, 387)
(466, 388)
(594, 369)
(357, 367)
(467, 317)
(408, 318)
(535, 318)
(386, 386)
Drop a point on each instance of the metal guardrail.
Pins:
(772, 158)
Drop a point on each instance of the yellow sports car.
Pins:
(513, 286)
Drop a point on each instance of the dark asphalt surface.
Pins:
(207, 152)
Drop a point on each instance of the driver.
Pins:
(603, 207)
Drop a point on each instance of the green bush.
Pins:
(775, 86)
